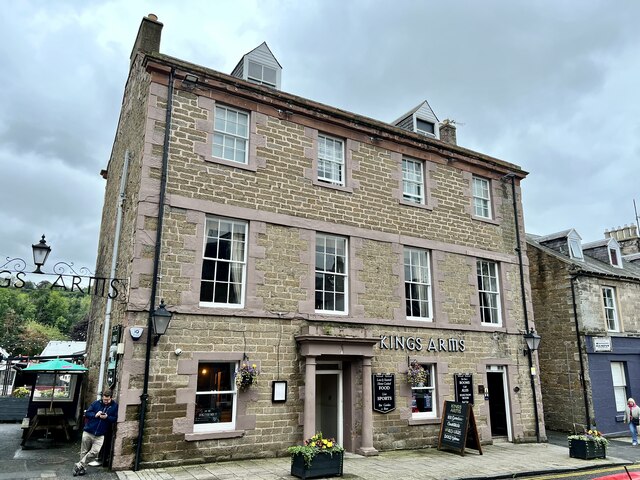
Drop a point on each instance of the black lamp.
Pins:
(533, 341)
(40, 253)
(160, 320)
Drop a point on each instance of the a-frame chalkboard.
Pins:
(458, 428)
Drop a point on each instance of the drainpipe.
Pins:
(582, 375)
(156, 264)
(112, 273)
(524, 301)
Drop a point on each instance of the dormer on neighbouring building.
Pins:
(627, 237)
(259, 66)
(567, 242)
(607, 251)
(420, 120)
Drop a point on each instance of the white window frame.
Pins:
(261, 80)
(424, 132)
(324, 244)
(413, 177)
(481, 188)
(417, 276)
(614, 256)
(331, 161)
(231, 135)
(431, 369)
(575, 249)
(619, 380)
(220, 426)
(235, 262)
(610, 309)
(489, 289)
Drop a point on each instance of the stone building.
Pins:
(586, 299)
(323, 247)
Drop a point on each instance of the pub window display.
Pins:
(216, 397)
(423, 396)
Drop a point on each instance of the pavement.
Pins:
(500, 460)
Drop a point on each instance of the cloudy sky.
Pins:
(549, 85)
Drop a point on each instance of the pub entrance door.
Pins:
(499, 414)
(329, 402)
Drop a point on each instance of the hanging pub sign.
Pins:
(383, 386)
(464, 387)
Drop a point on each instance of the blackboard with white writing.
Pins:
(464, 387)
(458, 428)
(383, 389)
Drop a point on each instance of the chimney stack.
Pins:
(148, 39)
(448, 131)
(627, 237)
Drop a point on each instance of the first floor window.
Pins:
(224, 263)
(417, 284)
(619, 385)
(481, 197)
(423, 398)
(413, 180)
(330, 160)
(231, 134)
(331, 274)
(215, 397)
(489, 292)
(610, 312)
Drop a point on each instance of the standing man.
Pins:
(99, 417)
(632, 417)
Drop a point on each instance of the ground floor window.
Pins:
(216, 397)
(423, 397)
(619, 385)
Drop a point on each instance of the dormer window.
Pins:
(575, 249)
(614, 256)
(425, 127)
(262, 75)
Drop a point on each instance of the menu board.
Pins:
(464, 387)
(384, 392)
(458, 428)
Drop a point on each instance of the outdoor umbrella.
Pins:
(55, 366)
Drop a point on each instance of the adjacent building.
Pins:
(586, 299)
(320, 247)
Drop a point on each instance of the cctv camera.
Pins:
(178, 351)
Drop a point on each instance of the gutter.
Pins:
(156, 267)
(112, 274)
(582, 375)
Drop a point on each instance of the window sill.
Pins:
(416, 205)
(340, 188)
(492, 221)
(424, 421)
(195, 437)
(251, 166)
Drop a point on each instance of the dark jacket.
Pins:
(98, 426)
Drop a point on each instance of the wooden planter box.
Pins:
(13, 409)
(323, 465)
(586, 449)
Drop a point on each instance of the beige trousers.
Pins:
(89, 448)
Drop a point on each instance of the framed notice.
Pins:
(279, 391)
(464, 387)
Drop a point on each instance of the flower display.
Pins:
(246, 376)
(590, 435)
(416, 375)
(315, 445)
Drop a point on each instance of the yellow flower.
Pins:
(329, 444)
(254, 365)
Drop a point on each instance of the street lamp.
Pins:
(160, 320)
(533, 341)
(40, 253)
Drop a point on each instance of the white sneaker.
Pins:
(95, 463)
(632, 443)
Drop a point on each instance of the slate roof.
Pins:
(590, 266)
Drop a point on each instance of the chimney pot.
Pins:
(152, 16)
